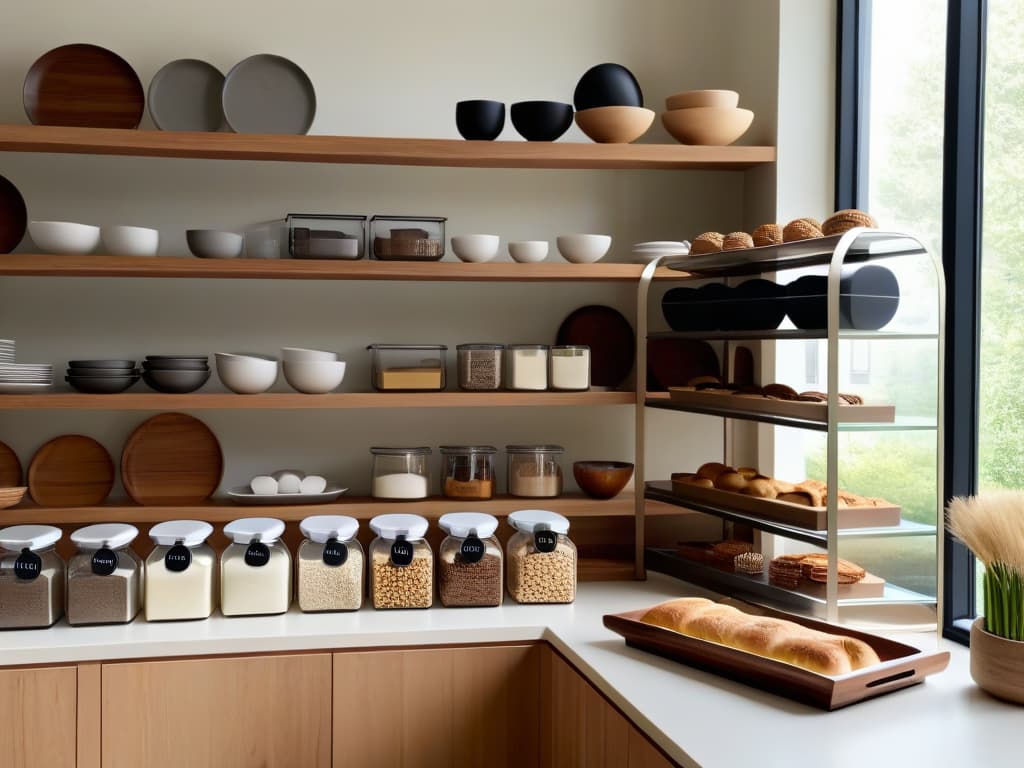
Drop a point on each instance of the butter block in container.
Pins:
(324, 236)
(408, 367)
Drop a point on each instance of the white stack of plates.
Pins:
(6, 350)
(645, 252)
(22, 377)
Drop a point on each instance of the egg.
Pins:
(263, 485)
(289, 480)
(607, 85)
(313, 484)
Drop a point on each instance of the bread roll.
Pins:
(801, 229)
(767, 234)
(841, 221)
(748, 472)
(761, 487)
(712, 470)
(736, 241)
(691, 479)
(707, 242)
(730, 481)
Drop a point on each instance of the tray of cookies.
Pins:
(779, 400)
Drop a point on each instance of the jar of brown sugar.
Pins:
(31, 577)
(470, 560)
(467, 471)
(540, 558)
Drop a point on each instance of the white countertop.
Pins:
(698, 718)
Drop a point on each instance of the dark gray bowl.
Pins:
(102, 373)
(101, 385)
(175, 382)
(204, 358)
(101, 363)
(176, 365)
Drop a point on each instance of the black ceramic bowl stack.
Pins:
(753, 305)
(101, 377)
(176, 374)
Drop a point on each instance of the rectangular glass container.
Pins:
(325, 236)
(534, 471)
(408, 367)
(480, 366)
(527, 367)
(467, 472)
(570, 367)
(31, 603)
(407, 238)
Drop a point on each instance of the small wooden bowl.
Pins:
(707, 98)
(997, 664)
(707, 126)
(615, 125)
(602, 479)
(10, 497)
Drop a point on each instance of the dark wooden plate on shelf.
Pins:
(673, 362)
(70, 471)
(902, 665)
(610, 338)
(10, 467)
(171, 458)
(13, 216)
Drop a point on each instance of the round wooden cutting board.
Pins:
(70, 471)
(10, 467)
(171, 459)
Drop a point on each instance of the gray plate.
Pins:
(268, 94)
(244, 495)
(185, 95)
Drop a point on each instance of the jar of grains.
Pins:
(467, 471)
(480, 366)
(255, 569)
(527, 367)
(401, 562)
(31, 577)
(470, 560)
(541, 560)
(329, 564)
(570, 367)
(400, 473)
(534, 471)
(180, 571)
(105, 576)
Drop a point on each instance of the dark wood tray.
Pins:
(902, 665)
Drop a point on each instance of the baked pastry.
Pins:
(749, 562)
(707, 242)
(737, 241)
(801, 229)
(712, 470)
(732, 547)
(730, 481)
(795, 496)
(814, 566)
(761, 487)
(842, 221)
(748, 472)
(767, 234)
(691, 479)
(696, 381)
(785, 573)
(779, 392)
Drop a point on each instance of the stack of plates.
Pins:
(6, 350)
(24, 377)
(102, 377)
(645, 252)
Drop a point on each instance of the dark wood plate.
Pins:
(13, 216)
(10, 467)
(70, 471)
(610, 338)
(673, 362)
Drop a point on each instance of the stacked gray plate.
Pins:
(175, 374)
(102, 377)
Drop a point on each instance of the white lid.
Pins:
(110, 535)
(263, 529)
(530, 520)
(17, 537)
(462, 524)
(321, 528)
(191, 533)
(393, 526)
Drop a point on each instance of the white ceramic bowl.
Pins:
(314, 377)
(583, 249)
(475, 248)
(298, 354)
(246, 374)
(64, 237)
(130, 241)
(528, 251)
(214, 244)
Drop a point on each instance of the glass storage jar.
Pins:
(180, 571)
(401, 562)
(527, 367)
(325, 236)
(400, 473)
(467, 471)
(104, 584)
(255, 569)
(329, 564)
(31, 577)
(408, 367)
(534, 471)
(480, 366)
(570, 367)
(470, 561)
(407, 238)
(541, 559)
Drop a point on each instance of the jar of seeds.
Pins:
(470, 560)
(31, 577)
(104, 583)
(541, 559)
(401, 563)
(467, 471)
(329, 564)
(480, 366)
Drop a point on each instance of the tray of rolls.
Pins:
(803, 659)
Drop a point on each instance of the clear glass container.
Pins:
(31, 577)
(255, 569)
(408, 367)
(540, 558)
(329, 564)
(180, 571)
(407, 238)
(534, 471)
(267, 240)
(467, 471)
(104, 584)
(570, 367)
(400, 473)
(325, 236)
(470, 561)
(401, 563)
(527, 367)
(480, 366)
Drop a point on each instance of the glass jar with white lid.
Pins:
(329, 564)
(470, 560)
(570, 367)
(255, 569)
(180, 571)
(401, 562)
(540, 558)
(400, 474)
(527, 367)
(31, 577)
(104, 584)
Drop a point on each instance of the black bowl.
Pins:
(479, 119)
(607, 85)
(755, 305)
(101, 373)
(175, 365)
(868, 299)
(541, 120)
(101, 364)
(100, 385)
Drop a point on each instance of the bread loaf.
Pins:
(707, 242)
(771, 638)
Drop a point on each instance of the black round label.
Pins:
(257, 554)
(28, 565)
(335, 553)
(545, 541)
(472, 550)
(178, 558)
(401, 553)
(104, 562)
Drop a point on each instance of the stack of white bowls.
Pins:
(312, 371)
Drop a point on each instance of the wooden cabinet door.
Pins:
(243, 712)
(37, 717)
(643, 754)
(437, 708)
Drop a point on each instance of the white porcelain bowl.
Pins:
(298, 354)
(528, 251)
(64, 237)
(246, 374)
(583, 249)
(214, 244)
(475, 248)
(130, 241)
(314, 377)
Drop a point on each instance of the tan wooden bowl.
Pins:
(10, 497)
(708, 126)
(997, 664)
(615, 125)
(690, 99)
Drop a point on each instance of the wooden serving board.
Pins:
(818, 412)
(70, 471)
(170, 459)
(10, 467)
(901, 665)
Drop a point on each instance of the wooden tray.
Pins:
(817, 412)
(170, 459)
(812, 518)
(70, 471)
(902, 665)
(10, 467)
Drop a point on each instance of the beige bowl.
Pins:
(708, 126)
(615, 125)
(997, 664)
(691, 99)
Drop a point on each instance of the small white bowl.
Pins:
(583, 249)
(528, 251)
(64, 237)
(214, 244)
(314, 377)
(246, 374)
(475, 248)
(298, 354)
(130, 241)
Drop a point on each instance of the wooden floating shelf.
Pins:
(365, 150)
